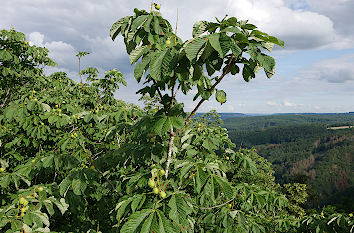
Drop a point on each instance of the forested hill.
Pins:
(303, 149)
(261, 122)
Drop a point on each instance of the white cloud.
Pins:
(299, 28)
(335, 70)
(62, 53)
(271, 103)
(285, 103)
(36, 38)
(66, 27)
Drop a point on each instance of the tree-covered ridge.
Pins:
(74, 159)
(311, 154)
(263, 122)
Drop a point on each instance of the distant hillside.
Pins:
(225, 116)
(302, 149)
(262, 122)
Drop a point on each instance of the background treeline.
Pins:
(303, 149)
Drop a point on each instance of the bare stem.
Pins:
(169, 153)
(172, 133)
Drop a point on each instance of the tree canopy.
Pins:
(75, 159)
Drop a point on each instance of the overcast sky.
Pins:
(314, 72)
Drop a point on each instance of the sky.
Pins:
(314, 71)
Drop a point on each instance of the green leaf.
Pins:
(49, 206)
(225, 187)
(268, 63)
(148, 23)
(42, 216)
(220, 96)
(165, 225)
(137, 53)
(177, 122)
(48, 161)
(158, 126)
(62, 205)
(225, 43)
(136, 201)
(78, 186)
(156, 25)
(46, 107)
(199, 28)
(116, 27)
(140, 68)
(215, 43)
(5, 181)
(146, 228)
(236, 50)
(247, 73)
(135, 220)
(200, 178)
(179, 209)
(193, 47)
(64, 186)
(156, 64)
(138, 22)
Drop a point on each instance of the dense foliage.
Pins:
(74, 159)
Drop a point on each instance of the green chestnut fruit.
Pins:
(168, 42)
(151, 183)
(23, 201)
(156, 190)
(162, 172)
(163, 195)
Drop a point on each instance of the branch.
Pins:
(7, 95)
(114, 189)
(210, 90)
(158, 90)
(169, 153)
(94, 165)
(217, 206)
(172, 134)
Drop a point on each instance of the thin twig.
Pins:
(187, 179)
(114, 189)
(74, 128)
(94, 157)
(176, 28)
(217, 206)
